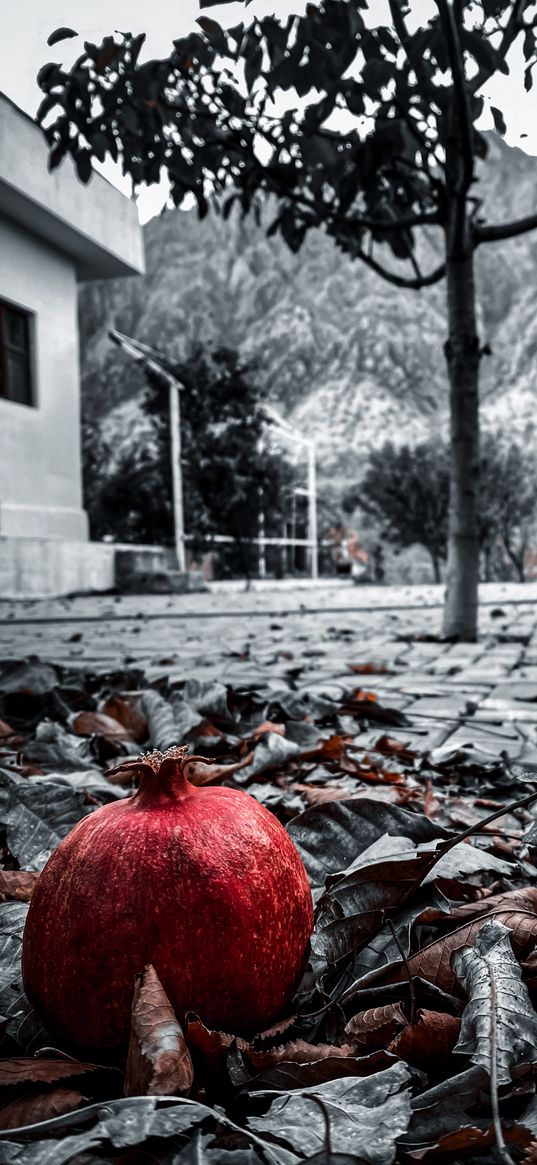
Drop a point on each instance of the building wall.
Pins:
(40, 460)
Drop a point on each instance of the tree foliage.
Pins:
(406, 491)
(509, 505)
(371, 175)
(231, 474)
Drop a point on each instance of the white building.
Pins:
(54, 232)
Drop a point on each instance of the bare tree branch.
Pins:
(414, 58)
(505, 230)
(399, 280)
(511, 30)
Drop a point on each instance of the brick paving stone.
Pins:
(445, 707)
(239, 638)
(516, 688)
(485, 745)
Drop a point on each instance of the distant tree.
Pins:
(406, 490)
(231, 474)
(126, 493)
(400, 157)
(509, 502)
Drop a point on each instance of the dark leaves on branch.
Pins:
(60, 34)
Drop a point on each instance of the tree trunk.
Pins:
(436, 567)
(517, 557)
(462, 354)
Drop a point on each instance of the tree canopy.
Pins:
(231, 473)
(345, 120)
(405, 490)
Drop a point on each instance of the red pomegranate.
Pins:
(204, 883)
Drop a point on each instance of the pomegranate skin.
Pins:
(204, 883)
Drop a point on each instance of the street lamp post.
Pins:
(174, 392)
(312, 509)
(309, 444)
(151, 361)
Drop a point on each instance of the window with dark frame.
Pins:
(15, 355)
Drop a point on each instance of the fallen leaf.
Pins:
(499, 1024)
(367, 1116)
(9, 737)
(433, 962)
(476, 1137)
(97, 723)
(30, 1069)
(425, 1042)
(37, 817)
(158, 1062)
(17, 885)
(272, 752)
(31, 676)
(12, 920)
(297, 1052)
(522, 899)
(268, 726)
(30, 1110)
(200, 773)
(126, 713)
(330, 838)
(370, 669)
(376, 1027)
(212, 1046)
(163, 731)
(291, 1075)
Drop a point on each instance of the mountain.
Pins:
(345, 356)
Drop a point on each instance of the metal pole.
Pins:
(177, 474)
(262, 560)
(312, 510)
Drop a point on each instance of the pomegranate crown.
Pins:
(173, 762)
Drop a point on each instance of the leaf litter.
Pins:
(413, 1035)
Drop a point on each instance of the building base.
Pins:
(36, 568)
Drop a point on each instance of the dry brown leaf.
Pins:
(297, 1052)
(433, 962)
(431, 1037)
(212, 1046)
(126, 713)
(199, 773)
(334, 748)
(319, 796)
(90, 723)
(268, 726)
(469, 1138)
(158, 1062)
(41, 1106)
(270, 1035)
(370, 669)
(523, 899)
(375, 1028)
(388, 746)
(9, 737)
(17, 885)
(28, 1069)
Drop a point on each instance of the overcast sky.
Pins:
(27, 23)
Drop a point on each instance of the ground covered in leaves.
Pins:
(413, 1036)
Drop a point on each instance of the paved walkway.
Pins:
(480, 697)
